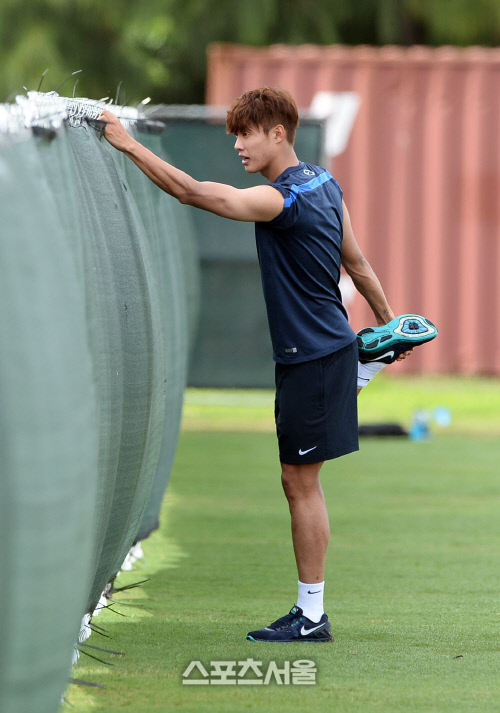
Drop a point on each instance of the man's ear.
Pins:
(279, 133)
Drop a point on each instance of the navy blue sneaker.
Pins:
(294, 627)
(386, 343)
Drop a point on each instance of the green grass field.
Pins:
(413, 583)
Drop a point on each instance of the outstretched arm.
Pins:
(257, 204)
(362, 274)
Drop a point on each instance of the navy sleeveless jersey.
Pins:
(299, 255)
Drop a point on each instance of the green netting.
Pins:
(170, 249)
(48, 439)
(233, 347)
(183, 232)
(99, 288)
(131, 368)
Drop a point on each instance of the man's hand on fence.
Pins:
(115, 132)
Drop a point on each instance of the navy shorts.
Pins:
(316, 407)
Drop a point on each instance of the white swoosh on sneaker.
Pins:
(302, 453)
(305, 631)
(387, 354)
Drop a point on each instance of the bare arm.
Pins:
(260, 203)
(362, 274)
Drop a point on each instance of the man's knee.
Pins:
(289, 479)
(299, 480)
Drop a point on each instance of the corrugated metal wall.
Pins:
(421, 178)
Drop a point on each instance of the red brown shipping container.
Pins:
(420, 174)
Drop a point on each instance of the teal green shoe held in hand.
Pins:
(384, 344)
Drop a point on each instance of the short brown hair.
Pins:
(265, 107)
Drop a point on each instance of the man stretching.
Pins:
(304, 234)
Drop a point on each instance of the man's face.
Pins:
(255, 148)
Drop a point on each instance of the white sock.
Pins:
(310, 600)
(366, 372)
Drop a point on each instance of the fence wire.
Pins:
(48, 111)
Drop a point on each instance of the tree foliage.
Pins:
(158, 48)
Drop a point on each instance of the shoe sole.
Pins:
(290, 641)
(384, 344)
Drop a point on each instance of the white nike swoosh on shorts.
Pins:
(302, 453)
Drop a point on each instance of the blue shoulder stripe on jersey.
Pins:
(311, 185)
